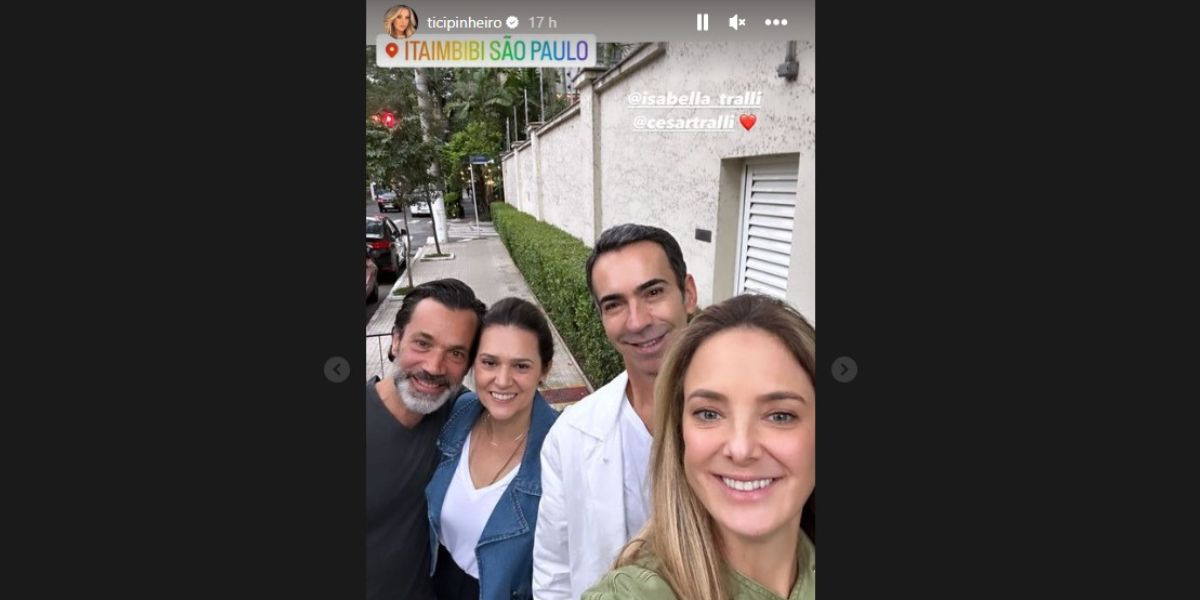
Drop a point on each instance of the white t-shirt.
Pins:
(635, 453)
(466, 511)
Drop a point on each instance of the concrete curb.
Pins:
(402, 280)
(559, 338)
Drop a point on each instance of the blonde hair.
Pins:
(680, 540)
(390, 16)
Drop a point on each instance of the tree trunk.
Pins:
(408, 253)
(424, 108)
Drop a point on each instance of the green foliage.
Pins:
(469, 110)
(454, 209)
(399, 156)
(476, 138)
(387, 88)
(552, 262)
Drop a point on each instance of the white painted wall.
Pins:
(567, 201)
(671, 179)
(528, 201)
(512, 180)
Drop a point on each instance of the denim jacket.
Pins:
(505, 548)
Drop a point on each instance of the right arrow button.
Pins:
(845, 369)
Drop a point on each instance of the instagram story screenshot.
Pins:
(590, 287)
(587, 362)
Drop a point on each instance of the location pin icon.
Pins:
(391, 50)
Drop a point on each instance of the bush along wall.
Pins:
(552, 263)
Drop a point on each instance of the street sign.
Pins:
(477, 159)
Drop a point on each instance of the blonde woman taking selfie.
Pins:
(733, 464)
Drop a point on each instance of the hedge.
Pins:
(552, 263)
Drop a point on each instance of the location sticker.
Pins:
(391, 50)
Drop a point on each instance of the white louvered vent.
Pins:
(768, 207)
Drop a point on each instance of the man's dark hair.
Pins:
(615, 238)
(522, 314)
(452, 294)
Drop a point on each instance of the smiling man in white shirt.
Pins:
(595, 495)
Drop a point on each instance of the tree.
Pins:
(407, 156)
(480, 95)
(400, 158)
(445, 115)
(388, 88)
(425, 112)
(476, 138)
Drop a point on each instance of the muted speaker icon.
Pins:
(735, 22)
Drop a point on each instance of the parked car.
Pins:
(385, 198)
(388, 245)
(421, 208)
(387, 201)
(372, 278)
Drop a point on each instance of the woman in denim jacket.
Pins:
(483, 497)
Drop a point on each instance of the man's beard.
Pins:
(420, 402)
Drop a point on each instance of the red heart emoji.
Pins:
(391, 50)
(748, 121)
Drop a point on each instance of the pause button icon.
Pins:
(701, 21)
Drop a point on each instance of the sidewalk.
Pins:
(482, 262)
